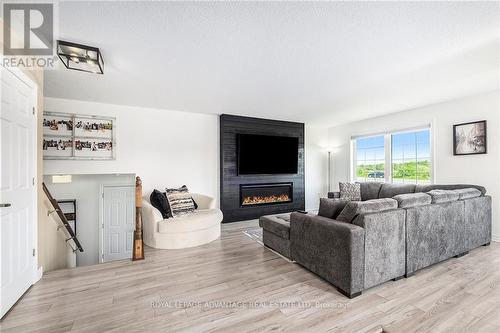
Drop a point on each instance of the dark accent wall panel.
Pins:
(230, 182)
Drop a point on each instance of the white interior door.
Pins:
(17, 189)
(119, 222)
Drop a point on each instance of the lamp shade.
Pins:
(80, 57)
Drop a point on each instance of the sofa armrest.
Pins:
(385, 245)
(150, 213)
(332, 249)
(203, 201)
(150, 218)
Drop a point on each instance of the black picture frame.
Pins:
(484, 146)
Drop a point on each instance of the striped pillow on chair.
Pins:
(180, 201)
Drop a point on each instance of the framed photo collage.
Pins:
(78, 137)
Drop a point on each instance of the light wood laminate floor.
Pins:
(235, 273)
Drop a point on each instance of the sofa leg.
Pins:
(345, 293)
(461, 254)
(398, 278)
(407, 275)
(487, 244)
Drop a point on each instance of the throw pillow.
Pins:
(180, 201)
(350, 191)
(159, 201)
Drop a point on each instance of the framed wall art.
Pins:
(470, 138)
(78, 137)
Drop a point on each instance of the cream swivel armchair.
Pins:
(197, 228)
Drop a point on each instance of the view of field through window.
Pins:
(370, 159)
(410, 159)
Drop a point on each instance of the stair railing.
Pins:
(66, 225)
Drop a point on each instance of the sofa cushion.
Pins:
(412, 199)
(350, 191)
(440, 196)
(159, 201)
(354, 208)
(370, 190)
(468, 193)
(276, 224)
(331, 208)
(198, 220)
(427, 188)
(180, 201)
(390, 190)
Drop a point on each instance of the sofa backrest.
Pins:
(376, 190)
(370, 190)
(427, 188)
(390, 190)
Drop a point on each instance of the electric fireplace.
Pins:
(261, 167)
(265, 194)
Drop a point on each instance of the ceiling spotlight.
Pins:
(88, 59)
(75, 58)
(80, 57)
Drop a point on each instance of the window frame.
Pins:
(388, 151)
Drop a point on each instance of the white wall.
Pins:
(86, 190)
(171, 148)
(165, 148)
(316, 161)
(476, 169)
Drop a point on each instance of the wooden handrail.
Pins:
(64, 221)
(138, 252)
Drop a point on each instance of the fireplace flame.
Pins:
(256, 200)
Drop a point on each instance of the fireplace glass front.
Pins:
(265, 194)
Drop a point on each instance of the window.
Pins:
(398, 157)
(370, 159)
(411, 157)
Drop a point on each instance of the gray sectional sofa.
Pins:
(393, 232)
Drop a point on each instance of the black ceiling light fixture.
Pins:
(80, 57)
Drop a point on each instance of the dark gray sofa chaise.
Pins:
(276, 233)
(352, 256)
(407, 228)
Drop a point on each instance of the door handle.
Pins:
(4, 205)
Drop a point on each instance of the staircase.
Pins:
(66, 225)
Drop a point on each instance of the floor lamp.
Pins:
(329, 170)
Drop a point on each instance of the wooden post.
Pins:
(138, 252)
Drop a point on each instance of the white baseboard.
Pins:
(39, 275)
(495, 238)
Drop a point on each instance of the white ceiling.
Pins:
(319, 62)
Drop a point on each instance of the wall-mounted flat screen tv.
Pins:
(266, 154)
